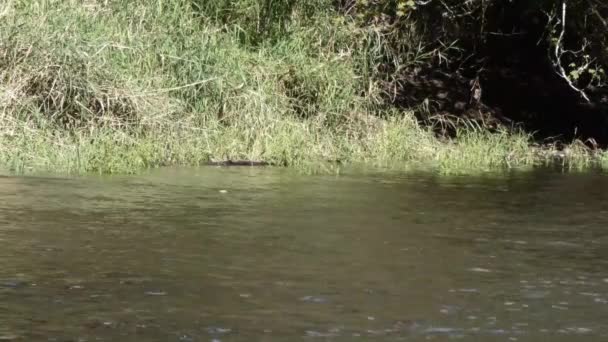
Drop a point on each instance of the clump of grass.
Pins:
(603, 160)
(578, 156)
(475, 149)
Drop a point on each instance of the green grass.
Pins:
(119, 86)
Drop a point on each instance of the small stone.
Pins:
(223, 191)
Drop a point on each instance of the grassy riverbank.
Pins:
(117, 86)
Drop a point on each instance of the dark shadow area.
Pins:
(504, 76)
(519, 81)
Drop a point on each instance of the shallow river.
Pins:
(245, 254)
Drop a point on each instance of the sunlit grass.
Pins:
(120, 86)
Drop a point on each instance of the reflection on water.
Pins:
(248, 254)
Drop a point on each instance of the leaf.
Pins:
(574, 74)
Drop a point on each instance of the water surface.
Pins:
(245, 254)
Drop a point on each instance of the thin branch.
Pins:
(559, 52)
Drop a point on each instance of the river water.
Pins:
(248, 254)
